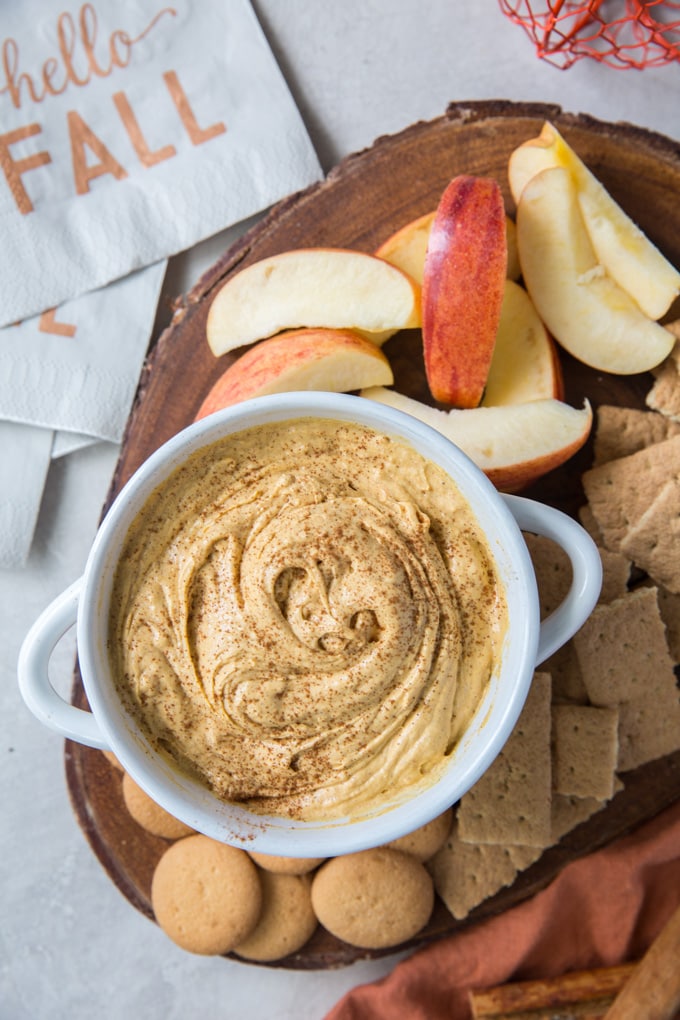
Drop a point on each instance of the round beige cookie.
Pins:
(286, 865)
(373, 899)
(287, 919)
(206, 895)
(150, 815)
(424, 842)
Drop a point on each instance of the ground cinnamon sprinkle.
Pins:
(314, 620)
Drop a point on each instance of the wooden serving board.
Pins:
(362, 201)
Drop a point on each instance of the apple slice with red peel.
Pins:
(525, 364)
(583, 308)
(513, 445)
(463, 284)
(407, 247)
(307, 359)
(627, 254)
(315, 287)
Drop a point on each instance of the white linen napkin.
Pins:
(68, 379)
(130, 131)
(24, 459)
(76, 368)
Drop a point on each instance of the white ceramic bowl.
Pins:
(528, 641)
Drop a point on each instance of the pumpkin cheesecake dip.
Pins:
(305, 617)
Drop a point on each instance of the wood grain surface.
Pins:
(362, 201)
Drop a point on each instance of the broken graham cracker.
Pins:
(622, 647)
(621, 431)
(569, 811)
(653, 543)
(620, 491)
(510, 803)
(584, 750)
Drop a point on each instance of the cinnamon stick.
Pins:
(584, 994)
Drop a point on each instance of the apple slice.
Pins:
(586, 311)
(407, 247)
(307, 359)
(513, 445)
(626, 253)
(328, 287)
(525, 364)
(463, 283)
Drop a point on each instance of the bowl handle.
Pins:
(586, 566)
(33, 671)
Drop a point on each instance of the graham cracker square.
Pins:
(587, 520)
(565, 671)
(620, 491)
(616, 570)
(653, 542)
(622, 647)
(649, 726)
(569, 811)
(584, 750)
(466, 874)
(620, 431)
(552, 567)
(510, 803)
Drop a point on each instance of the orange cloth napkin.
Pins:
(601, 910)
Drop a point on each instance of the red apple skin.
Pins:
(463, 283)
(514, 478)
(254, 372)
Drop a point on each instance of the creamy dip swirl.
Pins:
(306, 615)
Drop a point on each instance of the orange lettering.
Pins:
(197, 134)
(146, 156)
(81, 136)
(13, 169)
(10, 63)
(88, 35)
(66, 34)
(47, 323)
(119, 36)
(72, 40)
(50, 68)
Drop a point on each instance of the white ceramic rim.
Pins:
(494, 719)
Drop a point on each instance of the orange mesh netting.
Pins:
(618, 33)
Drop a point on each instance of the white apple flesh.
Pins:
(307, 359)
(514, 445)
(586, 311)
(525, 364)
(627, 254)
(322, 287)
